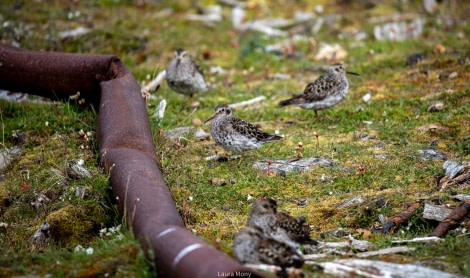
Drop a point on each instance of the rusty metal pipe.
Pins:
(395, 222)
(452, 220)
(125, 149)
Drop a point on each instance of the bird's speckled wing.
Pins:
(297, 229)
(278, 253)
(196, 68)
(245, 128)
(320, 88)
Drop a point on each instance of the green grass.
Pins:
(352, 133)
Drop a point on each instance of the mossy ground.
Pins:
(353, 133)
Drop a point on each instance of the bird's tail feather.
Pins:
(292, 101)
(270, 138)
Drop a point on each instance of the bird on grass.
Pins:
(234, 134)
(184, 76)
(252, 246)
(326, 91)
(279, 225)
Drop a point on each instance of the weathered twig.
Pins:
(386, 251)
(290, 272)
(376, 269)
(418, 239)
(248, 102)
(154, 84)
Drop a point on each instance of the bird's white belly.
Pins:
(237, 143)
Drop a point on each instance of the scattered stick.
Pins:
(396, 221)
(386, 251)
(378, 269)
(359, 245)
(248, 102)
(418, 239)
(154, 84)
(313, 257)
(452, 220)
(462, 197)
(289, 272)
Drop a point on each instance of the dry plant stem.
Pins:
(452, 220)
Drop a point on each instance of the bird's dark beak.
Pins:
(213, 116)
(353, 73)
(178, 61)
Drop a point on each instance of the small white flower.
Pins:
(47, 123)
(79, 248)
(190, 198)
(89, 250)
(276, 132)
(249, 197)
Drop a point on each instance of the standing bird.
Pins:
(279, 225)
(234, 134)
(326, 91)
(184, 76)
(251, 246)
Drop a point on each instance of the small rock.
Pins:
(40, 201)
(41, 238)
(233, 181)
(7, 155)
(194, 104)
(415, 58)
(302, 203)
(434, 128)
(329, 52)
(77, 171)
(432, 154)
(429, 6)
(439, 48)
(202, 135)
(453, 75)
(19, 137)
(452, 168)
(443, 75)
(462, 197)
(216, 181)
(160, 110)
(434, 212)
(436, 107)
(381, 156)
(353, 201)
(176, 133)
(382, 219)
(197, 121)
(338, 232)
(366, 98)
(80, 191)
(292, 165)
